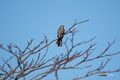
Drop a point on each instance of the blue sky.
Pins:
(22, 20)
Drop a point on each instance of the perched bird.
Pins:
(59, 33)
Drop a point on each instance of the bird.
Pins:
(60, 32)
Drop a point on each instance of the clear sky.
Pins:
(21, 20)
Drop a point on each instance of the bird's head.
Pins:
(62, 25)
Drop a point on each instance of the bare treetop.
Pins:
(25, 67)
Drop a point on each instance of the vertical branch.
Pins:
(66, 44)
(56, 75)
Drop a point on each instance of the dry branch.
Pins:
(57, 61)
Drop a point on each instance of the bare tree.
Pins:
(57, 62)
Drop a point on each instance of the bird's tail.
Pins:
(59, 42)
